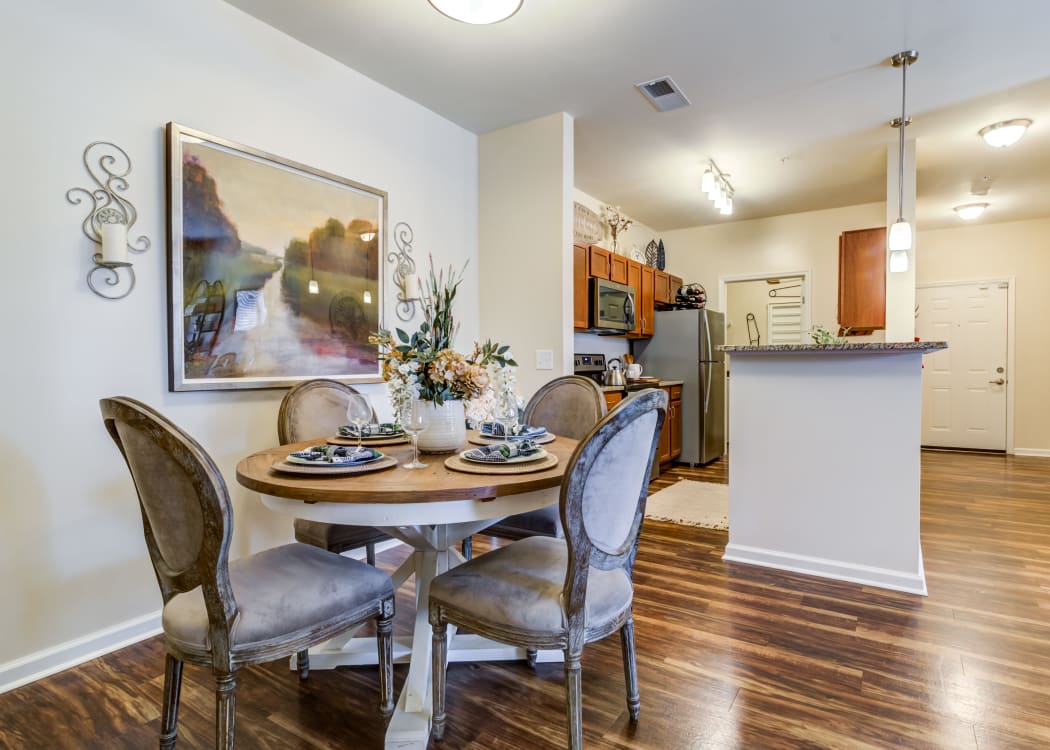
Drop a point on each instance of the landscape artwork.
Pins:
(274, 269)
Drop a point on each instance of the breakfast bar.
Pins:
(824, 459)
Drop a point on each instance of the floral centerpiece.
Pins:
(424, 367)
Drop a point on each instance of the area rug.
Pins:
(691, 503)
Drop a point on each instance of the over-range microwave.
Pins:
(611, 307)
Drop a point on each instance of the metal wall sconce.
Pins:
(110, 218)
(405, 278)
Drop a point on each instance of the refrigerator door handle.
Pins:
(709, 355)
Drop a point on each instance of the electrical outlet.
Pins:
(544, 359)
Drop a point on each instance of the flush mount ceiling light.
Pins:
(477, 11)
(970, 211)
(900, 239)
(1005, 133)
(715, 185)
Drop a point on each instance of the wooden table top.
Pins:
(396, 485)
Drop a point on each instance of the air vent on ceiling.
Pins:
(663, 93)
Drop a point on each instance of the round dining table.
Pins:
(430, 509)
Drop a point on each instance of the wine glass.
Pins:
(413, 422)
(359, 412)
(507, 414)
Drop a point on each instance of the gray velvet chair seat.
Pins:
(542, 522)
(520, 586)
(281, 593)
(335, 537)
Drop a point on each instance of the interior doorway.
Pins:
(966, 392)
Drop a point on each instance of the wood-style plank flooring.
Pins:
(729, 656)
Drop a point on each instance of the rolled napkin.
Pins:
(371, 430)
(517, 432)
(335, 455)
(499, 453)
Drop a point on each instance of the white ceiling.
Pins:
(791, 98)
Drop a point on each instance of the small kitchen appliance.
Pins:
(613, 373)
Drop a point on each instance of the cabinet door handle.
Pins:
(1000, 381)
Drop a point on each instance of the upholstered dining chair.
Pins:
(570, 406)
(314, 410)
(542, 592)
(223, 614)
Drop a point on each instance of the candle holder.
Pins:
(110, 218)
(404, 268)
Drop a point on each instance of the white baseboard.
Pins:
(35, 666)
(1041, 452)
(911, 583)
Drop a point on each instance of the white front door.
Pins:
(964, 386)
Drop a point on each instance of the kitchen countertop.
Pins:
(661, 384)
(870, 347)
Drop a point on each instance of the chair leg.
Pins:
(370, 554)
(531, 655)
(440, 656)
(302, 662)
(169, 723)
(630, 667)
(468, 548)
(385, 644)
(574, 699)
(225, 709)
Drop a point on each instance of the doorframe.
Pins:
(1011, 316)
(724, 281)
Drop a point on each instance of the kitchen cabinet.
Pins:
(580, 287)
(618, 268)
(670, 446)
(599, 262)
(663, 293)
(634, 280)
(862, 280)
(675, 283)
(612, 398)
(647, 303)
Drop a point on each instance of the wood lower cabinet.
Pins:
(581, 282)
(612, 398)
(670, 445)
(862, 280)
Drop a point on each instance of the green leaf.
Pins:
(503, 350)
(402, 335)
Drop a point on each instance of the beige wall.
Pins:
(743, 297)
(525, 243)
(1019, 249)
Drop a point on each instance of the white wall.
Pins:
(71, 545)
(525, 243)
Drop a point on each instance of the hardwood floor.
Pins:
(729, 656)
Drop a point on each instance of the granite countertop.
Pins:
(873, 347)
(661, 384)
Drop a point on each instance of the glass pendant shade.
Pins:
(900, 236)
(707, 182)
(313, 288)
(367, 297)
(898, 261)
(477, 11)
(727, 208)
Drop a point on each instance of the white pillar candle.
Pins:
(411, 286)
(114, 243)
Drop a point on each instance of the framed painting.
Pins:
(274, 268)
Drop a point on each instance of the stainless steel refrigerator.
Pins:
(685, 347)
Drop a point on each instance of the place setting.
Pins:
(505, 457)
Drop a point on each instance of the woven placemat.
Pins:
(456, 463)
(334, 471)
(478, 439)
(378, 440)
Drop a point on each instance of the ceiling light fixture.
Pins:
(900, 239)
(715, 185)
(1005, 133)
(970, 211)
(477, 11)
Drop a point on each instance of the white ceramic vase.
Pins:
(446, 430)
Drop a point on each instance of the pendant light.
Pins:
(900, 238)
(477, 11)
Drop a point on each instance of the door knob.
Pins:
(1000, 381)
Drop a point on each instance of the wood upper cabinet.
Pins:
(647, 296)
(862, 280)
(580, 287)
(634, 280)
(663, 293)
(618, 268)
(675, 283)
(599, 262)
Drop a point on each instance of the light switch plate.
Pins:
(544, 359)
